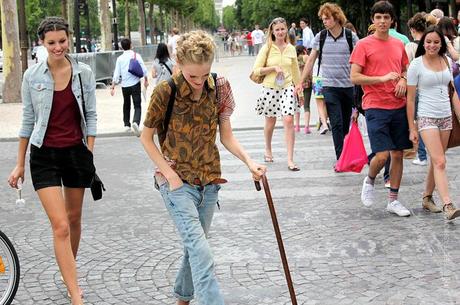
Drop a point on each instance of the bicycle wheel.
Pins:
(9, 270)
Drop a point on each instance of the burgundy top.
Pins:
(64, 128)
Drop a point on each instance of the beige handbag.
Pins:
(259, 79)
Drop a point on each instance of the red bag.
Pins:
(354, 156)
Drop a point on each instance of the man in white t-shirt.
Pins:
(172, 42)
(307, 34)
(257, 39)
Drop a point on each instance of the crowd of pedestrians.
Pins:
(408, 96)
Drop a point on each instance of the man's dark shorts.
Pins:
(388, 129)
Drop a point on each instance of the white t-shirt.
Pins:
(42, 54)
(172, 43)
(161, 71)
(257, 37)
(432, 88)
(307, 38)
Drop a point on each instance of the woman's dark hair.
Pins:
(306, 21)
(417, 22)
(52, 24)
(447, 28)
(162, 52)
(300, 50)
(383, 7)
(421, 48)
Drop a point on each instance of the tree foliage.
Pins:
(37, 10)
(250, 12)
(229, 18)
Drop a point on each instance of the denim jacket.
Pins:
(37, 99)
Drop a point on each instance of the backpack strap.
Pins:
(166, 66)
(349, 37)
(214, 77)
(322, 39)
(172, 98)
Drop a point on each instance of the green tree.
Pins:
(37, 10)
(229, 18)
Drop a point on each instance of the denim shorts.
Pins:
(70, 166)
(388, 129)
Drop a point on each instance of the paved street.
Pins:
(339, 251)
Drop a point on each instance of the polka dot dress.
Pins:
(277, 102)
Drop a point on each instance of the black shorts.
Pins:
(388, 129)
(70, 166)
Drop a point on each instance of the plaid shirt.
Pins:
(190, 141)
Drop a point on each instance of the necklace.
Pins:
(440, 82)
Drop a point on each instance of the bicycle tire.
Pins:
(13, 263)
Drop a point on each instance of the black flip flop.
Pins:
(293, 168)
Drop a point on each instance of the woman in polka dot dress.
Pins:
(278, 98)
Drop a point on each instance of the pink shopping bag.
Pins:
(354, 156)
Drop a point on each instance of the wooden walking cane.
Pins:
(279, 239)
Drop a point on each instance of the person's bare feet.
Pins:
(180, 302)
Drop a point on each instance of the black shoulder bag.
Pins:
(96, 183)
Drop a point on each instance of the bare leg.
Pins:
(53, 203)
(297, 121)
(74, 204)
(429, 185)
(377, 163)
(396, 168)
(307, 119)
(180, 302)
(322, 112)
(268, 133)
(436, 144)
(289, 137)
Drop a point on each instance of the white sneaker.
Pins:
(323, 129)
(397, 208)
(127, 129)
(136, 130)
(367, 193)
(417, 161)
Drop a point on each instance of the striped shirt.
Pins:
(335, 66)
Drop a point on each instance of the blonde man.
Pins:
(188, 167)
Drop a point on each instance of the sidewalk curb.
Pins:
(126, 134)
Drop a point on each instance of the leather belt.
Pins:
(197, 181)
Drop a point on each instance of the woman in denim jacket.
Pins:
(61, 132)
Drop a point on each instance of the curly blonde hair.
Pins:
(195, 47)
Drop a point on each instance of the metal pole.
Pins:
(279, 239)
(88, 34)
(115, 24)
(23, 34)
(77, 26)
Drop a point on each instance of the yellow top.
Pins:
(287, 60)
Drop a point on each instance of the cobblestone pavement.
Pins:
(339, 252)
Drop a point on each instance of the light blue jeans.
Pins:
(192, 208)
